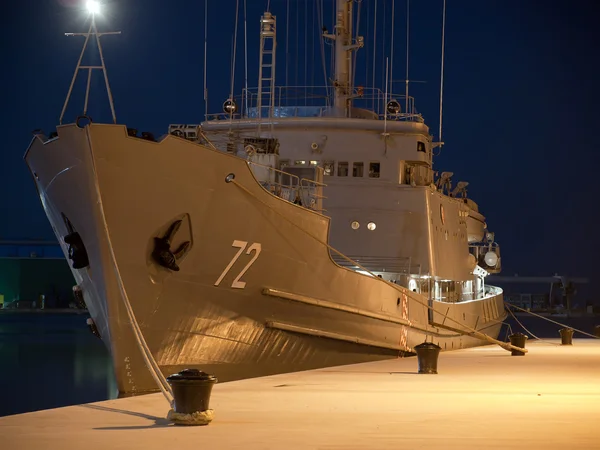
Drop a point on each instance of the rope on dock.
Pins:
(523, 326)
(151, 363)
(509, 305)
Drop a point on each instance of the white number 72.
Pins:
(237, 284)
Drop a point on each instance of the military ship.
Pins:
(278, 235)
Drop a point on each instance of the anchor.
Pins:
(162, 253)
(76, 249)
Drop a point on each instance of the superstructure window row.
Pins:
(358, 169)
(355, 169)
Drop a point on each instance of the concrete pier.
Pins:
(481, 399)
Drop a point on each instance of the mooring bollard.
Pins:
(191, 393)
(566, 336)
(518, 340)
(427, 356)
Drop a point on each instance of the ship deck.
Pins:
(481, 398)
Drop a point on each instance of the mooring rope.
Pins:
(549, 320)
(151, 363)
(525, 328)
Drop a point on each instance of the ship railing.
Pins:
(287, 186)
(312, 194)
(491, 291)
(458, 297)
(317, 101)
(377, 264)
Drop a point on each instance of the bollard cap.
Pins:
(191, 374)
(519, 335)
(427, 345)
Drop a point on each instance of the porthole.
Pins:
(371, 226)
(355, 225)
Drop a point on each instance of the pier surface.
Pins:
(482, 398)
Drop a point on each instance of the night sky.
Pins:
(521, 98)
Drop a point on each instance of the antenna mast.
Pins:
(245, 99)
(92, 31)
(205, 57)
(344, 46)
(442, 70)
(407, 54)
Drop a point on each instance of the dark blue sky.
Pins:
(520, 105)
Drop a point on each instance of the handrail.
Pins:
(297, 190)
(401, 264)
(315, 101)
(253, 163)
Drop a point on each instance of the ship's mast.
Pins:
(344, 48)
(92, 31)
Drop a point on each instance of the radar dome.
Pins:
(491, 259)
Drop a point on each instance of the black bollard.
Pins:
(191, 393)
(566, 336)
(518, 340)
(427, 356)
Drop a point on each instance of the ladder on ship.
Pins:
(266, 71)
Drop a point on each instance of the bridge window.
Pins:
(342, 169)
(328, 168)
(357, 169)
(421, 147)
(299, 162)
(374, 170)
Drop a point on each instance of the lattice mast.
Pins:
(92, 31)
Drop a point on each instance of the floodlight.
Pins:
(93, 6)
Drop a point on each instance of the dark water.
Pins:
(50, 360)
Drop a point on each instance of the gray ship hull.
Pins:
(257, 292)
